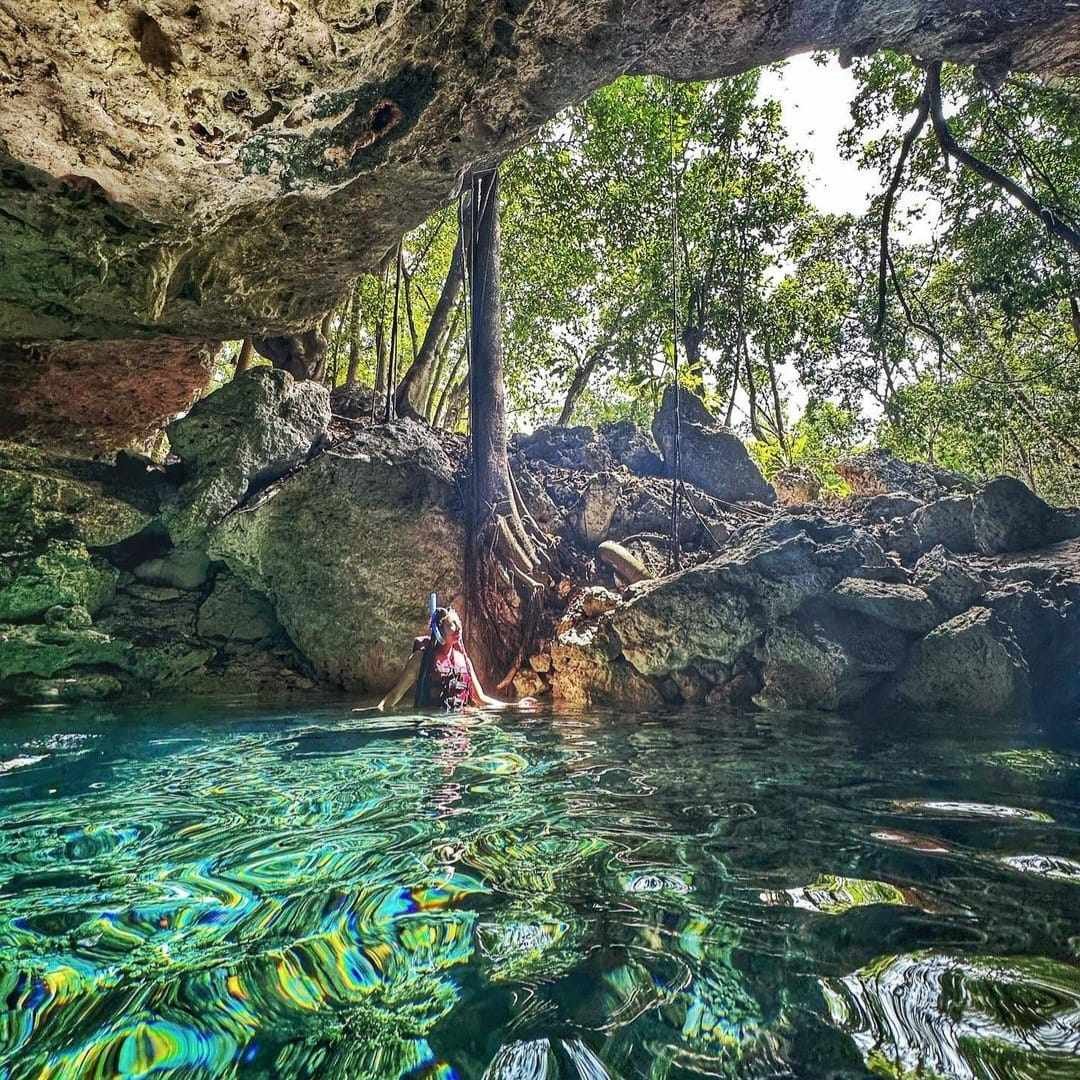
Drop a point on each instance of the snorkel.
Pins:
(435, 638)
(433, 618)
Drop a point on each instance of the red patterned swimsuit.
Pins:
(449, 682)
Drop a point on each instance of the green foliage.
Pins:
(976, 364)
(823, 435)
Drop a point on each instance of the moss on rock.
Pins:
(45, 651)
(65, 574)
(40, 504)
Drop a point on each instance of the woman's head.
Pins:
(449, 624)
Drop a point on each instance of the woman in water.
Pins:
(441, 672)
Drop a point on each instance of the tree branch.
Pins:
(890, 202)
(1054, 225)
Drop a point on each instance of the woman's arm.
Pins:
(476, 691)
(404, 684)
(478, 696)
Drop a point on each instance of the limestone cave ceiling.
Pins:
(191, 170)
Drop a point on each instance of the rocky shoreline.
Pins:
(291, 546)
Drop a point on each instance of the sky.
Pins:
(816, 102)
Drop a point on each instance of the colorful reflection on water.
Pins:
(224, 893)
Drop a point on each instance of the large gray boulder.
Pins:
(716, 613)
(948, 523)
(953, 586)
(239, 439)
(970, 664)
(348, 549)
(891, 505)
(827, 659)
(902, 607)
(630, 446)
(1008, 516)
(712, 457)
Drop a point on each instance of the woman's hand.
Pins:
(527, 703)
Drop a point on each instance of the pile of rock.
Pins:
(808, 612)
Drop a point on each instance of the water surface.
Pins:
(218, 892)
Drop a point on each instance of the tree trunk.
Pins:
(487, 386)
(243, 359)
(411, 392)
(494, 555)
(438, 375)
(577, 387)
(751, 391)
(777, 404)
(438, 417)
(354, 337)
(453, 405)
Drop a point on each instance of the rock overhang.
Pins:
(206, 170)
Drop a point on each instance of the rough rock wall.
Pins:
(209, 169)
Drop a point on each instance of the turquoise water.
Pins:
(222, 892)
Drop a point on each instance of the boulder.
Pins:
(903, 607)
(599, 501)
(184, 568)
(42, 502)
(947, 581)
(238, 440)
(1008, 516)
(1045, 621)
(235, 613)
(45, 651)
(631, 447)
(948, 523)
(586, 669)
(717, 611)
(880, 472)
(713, 458)
(891, 505)
(575, 448)
(348, 548)
(970, 664)
(826, 659)
(796, 487)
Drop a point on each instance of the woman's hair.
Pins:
(438, 617)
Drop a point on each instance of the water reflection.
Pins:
(583, 895)
(940, 1014)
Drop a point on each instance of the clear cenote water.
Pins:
(221, 892)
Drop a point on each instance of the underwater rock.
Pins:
(713, 458)
(238, 440)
